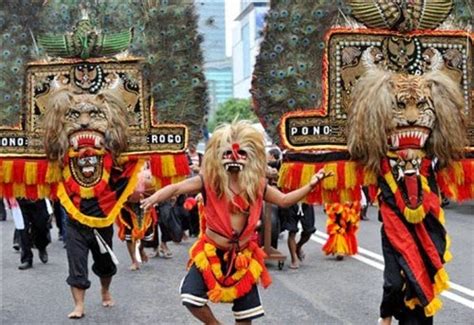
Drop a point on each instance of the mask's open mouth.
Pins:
(86, 138)
(233, 166)
(409, 137)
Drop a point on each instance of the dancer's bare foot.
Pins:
(77, 313)
(107, 298)
(134, 267)
(385, 321)
(301, 255)
(294, 265)
(144, 256)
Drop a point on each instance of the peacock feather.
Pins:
(164, 34)
(287, 74)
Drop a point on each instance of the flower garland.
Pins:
(429, 200)
(341, 226)
(249, 265)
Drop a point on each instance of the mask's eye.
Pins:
(401, 105)
(73, 113)
(414, 162)
(242, 154)
(227, 154)
(421, 104)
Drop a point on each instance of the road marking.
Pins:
(320, 237)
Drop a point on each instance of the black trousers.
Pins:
(393, 295)
(80, 241)
(36, 232)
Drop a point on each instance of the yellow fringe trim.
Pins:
(447, 256)
(441, 279)
(432, 308)
(53, 173)
(30, 173)
(19, 190)
(330, 183)
(95, 222)
(306, 173)
(167, 166)
(441, 216)
(7, 167)
(414, 215)
(350, 175)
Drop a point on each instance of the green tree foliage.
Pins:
(231, 109)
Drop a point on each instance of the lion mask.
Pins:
(235, 148)
(393, 111)
(82, 128)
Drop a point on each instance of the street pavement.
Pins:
(322, 291)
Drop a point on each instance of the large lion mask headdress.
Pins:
(86, 132)
(393, 111)
(235, 148)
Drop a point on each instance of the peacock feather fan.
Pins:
(287, 74)
(164, 34)
(15, 50)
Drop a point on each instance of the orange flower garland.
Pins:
(250, 268)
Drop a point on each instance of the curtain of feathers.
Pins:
(165, 35)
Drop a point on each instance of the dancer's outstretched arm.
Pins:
(274, 196)
(189, 185)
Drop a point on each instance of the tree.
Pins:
(231, 109)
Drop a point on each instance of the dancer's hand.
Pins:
(319, 176)
(148, 202)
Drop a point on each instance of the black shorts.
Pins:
(193, 291)
(79, 240)
(290, 218)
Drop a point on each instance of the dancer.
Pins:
(134, 225)
(226, 262)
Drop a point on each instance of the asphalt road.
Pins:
(322, 291)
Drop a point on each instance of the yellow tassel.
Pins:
(412, 303)
(31, 172)
(345, 195)
(414, 215)
(350, 175)
(458, 173)
(19, 190)
(433, 307)
(306, 173)
(7, 167)
(167, 166)
(441, 280)
(53, 173)
(447, 256)
(43, 191)
(330, 183)
(283, 176)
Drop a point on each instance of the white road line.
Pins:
(320, 237)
